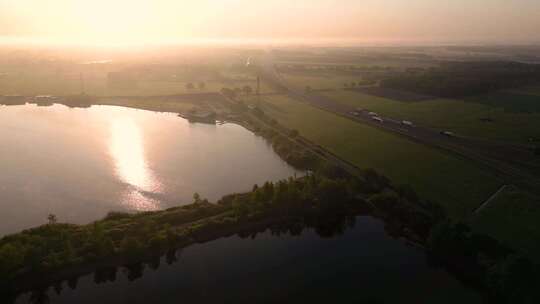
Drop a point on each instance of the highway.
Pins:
(512, 163)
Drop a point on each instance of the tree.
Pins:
(52, 219)
(202, 85)
(190, 86)
(308, 89)
(196, 198)
(11, 257)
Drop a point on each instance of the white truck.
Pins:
(377, 119)
(407, 123)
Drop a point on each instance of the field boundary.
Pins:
(485, 204)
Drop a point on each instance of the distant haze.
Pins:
(144, 21)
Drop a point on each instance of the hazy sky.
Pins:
(89, 21)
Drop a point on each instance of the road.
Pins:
(513, 163)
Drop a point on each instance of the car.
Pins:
(377, 119)
(373, 114)
(447, 133)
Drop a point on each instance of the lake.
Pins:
(80, 164)
(362, 265)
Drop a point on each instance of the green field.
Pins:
(319, 80)
(64, 78)
(532, 90)
(514, 218)
(97, 86)
(455, 183)
(462, 117)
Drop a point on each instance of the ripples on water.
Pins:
(127, 151)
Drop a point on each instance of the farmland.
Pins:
(96, 83)
(455, 183)
(58, 72)
(512, 217)
(460, 116)
(326, 80)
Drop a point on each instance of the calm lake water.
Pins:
(82, 163)
(363, 265)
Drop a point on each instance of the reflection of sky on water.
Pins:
(127, 151)
(81, 164)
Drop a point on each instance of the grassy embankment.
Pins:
(457, 184)
(460, 116)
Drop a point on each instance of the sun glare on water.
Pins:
(127, 151)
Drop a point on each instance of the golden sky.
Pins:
(141, 21)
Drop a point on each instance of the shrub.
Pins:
(116, 215)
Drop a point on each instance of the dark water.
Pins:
(364, 265)
(82, 163)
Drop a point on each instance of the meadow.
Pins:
(456, 184)
(320, 80)
(512, 217)
(96, 84)
(459, 116)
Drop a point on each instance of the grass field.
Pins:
(66, 80)
(35, 85)
(319, 80)
(532, 90)
(456, 184)
(458, 116)
(173, 106)
(514, 218)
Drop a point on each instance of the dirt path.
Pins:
(489, 200)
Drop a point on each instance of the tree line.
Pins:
(459, 79)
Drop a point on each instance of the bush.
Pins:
(116, 215)
(130, 246)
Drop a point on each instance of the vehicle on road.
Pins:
(377, 119)
(407, 123)
(447, 133)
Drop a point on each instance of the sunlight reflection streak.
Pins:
(127, 150)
